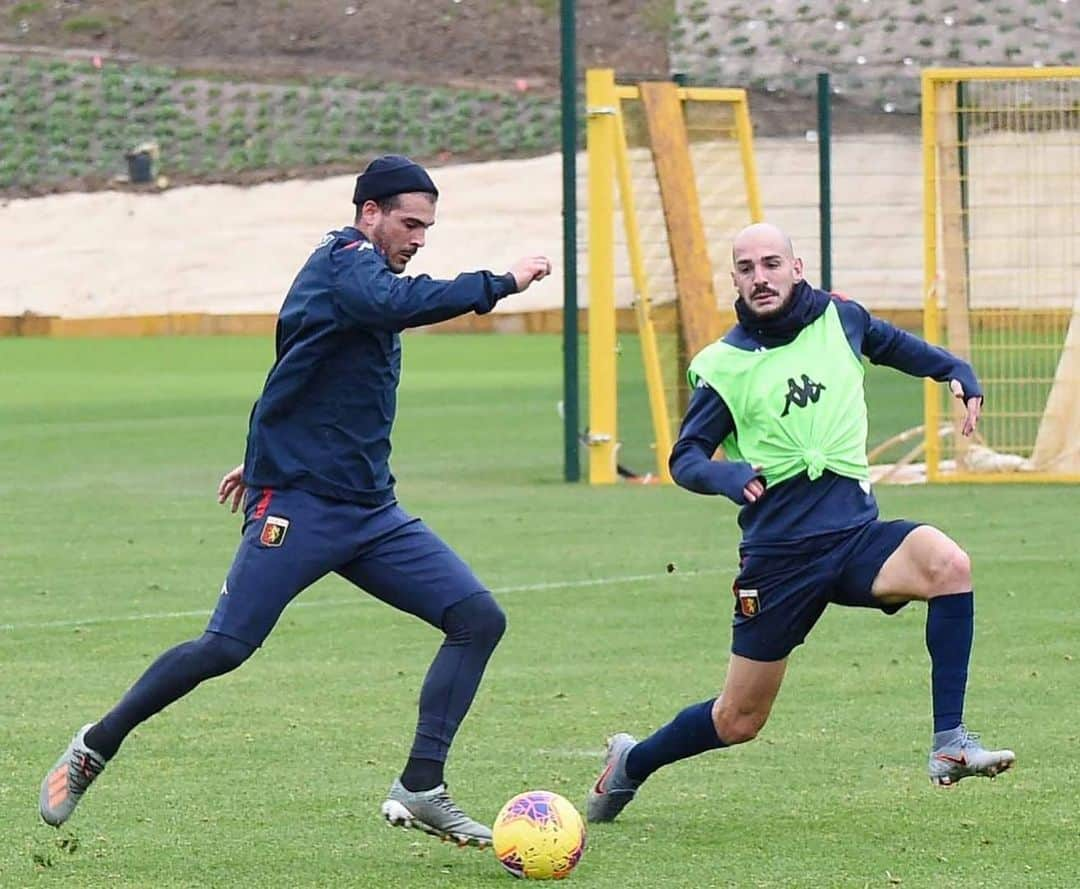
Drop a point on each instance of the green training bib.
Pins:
(799, 407)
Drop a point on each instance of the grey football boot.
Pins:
(67, 781)
(962, 756)
(614, 788)
(434, 812)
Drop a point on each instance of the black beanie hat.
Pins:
(389, 175)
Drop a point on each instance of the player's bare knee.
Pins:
(737, 727)
(949, 571)
(740, 730)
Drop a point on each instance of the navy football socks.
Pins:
(950, 626)
(691, 732)
(422, 774)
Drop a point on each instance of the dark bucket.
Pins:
(140, 166)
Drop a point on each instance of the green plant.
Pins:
(237, 159)
(660, 16)
(26, 9)
(96, 25)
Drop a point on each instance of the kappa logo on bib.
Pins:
(273, 532)
(800, 396)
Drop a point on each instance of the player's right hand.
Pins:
(755, 488)
(232, 483)
(529, 269)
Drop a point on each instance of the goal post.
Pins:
(671, 179)
(1001, 168)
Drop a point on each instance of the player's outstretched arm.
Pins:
(885, 344)
(232, 483)
(370, 295)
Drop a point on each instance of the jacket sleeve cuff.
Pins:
(969, 383)
(734, 480)
(505, 285)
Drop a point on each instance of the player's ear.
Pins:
(369, 212)
(798, 267)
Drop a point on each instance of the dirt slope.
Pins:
(446, 41)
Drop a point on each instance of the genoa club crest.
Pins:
(749, 604)
(273, 532)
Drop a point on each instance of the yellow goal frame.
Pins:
(609, 178)
(942, 220)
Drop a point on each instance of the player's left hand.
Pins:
(232, 483)
(973, 406)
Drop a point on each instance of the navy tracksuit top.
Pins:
(323, 421)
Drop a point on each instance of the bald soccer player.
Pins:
(783, 393)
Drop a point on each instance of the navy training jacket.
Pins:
(324, 418)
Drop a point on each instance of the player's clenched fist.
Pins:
(529, 269)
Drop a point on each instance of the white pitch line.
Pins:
(591, 753)
(329, 603)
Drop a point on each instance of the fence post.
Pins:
(824, 100)
(568, 68)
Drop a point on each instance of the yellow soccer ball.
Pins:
(539, 835)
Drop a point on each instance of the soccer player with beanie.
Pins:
(318, 496)
(782, 392)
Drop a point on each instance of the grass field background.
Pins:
(112, 548)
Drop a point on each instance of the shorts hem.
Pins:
(769, 658)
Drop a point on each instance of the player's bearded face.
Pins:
(765, 274)
(399, 233)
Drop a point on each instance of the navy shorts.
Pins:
(780, 596)
(291, 538)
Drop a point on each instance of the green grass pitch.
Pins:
(112, 548)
